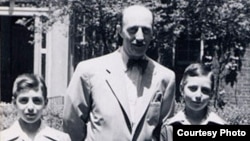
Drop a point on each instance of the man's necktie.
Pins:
(140, 63)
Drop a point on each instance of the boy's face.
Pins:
(30, 105)
(197, 92)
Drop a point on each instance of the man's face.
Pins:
(136, 31)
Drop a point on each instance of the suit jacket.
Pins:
(45, 133)
(96, 105)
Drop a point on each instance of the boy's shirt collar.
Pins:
(180, 118)
(17, 134)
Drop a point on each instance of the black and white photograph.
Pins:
(124, 70)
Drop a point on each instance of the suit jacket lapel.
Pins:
(115, 81)
(119, 91)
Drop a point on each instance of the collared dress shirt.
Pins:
(133, 79)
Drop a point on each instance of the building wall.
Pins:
(50, 60)
(57, 59)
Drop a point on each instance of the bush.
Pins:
(52, 115)
(8, 115)
(235, 115)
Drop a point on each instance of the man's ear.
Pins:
(119, 30)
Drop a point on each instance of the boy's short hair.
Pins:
(197, 69)
(26, 82)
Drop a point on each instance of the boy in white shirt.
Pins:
(30, 99)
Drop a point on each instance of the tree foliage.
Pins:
(223, 25)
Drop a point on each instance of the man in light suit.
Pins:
(122, 96)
